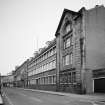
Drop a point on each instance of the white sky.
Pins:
(23, 22)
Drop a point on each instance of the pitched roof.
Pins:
(62, 17)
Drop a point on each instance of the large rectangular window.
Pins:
(68, 77)
(73, 77)
(67, 42)
(68, 59)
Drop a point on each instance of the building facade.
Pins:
(69, 52)
(21, 75)
(80, 39)
(42, 68)
(7, 81)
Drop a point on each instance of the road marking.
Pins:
(35, 99)
(8, 99)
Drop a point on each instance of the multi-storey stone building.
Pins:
(80, 41)
(42, 68)
(69, 54)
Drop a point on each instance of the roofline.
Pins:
(62, 17)
(53, 43)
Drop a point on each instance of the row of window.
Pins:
(67, 60)
(44, 56)
(43, 80)
(42, 68)
(68, 77)
(64, 78)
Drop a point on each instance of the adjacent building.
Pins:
(42, 68)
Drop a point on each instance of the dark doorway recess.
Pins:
(99, 85)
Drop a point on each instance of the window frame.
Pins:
(70, 43)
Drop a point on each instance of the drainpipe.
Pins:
(83, 49)
(58, 62)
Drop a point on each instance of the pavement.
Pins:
(89, 97)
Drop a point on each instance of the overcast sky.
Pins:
(25, 26)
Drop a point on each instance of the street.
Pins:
(16, 96)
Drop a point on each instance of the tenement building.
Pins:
(80, 47)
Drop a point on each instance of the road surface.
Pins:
(16, 96)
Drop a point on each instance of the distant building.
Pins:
(7, 81)
(20, 75)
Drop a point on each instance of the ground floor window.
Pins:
(68, 77)
(73, 77)
(51, 79)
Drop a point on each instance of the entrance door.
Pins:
(99, 85)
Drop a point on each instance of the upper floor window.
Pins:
(67, 42)
(68, 59)
(68, 28)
